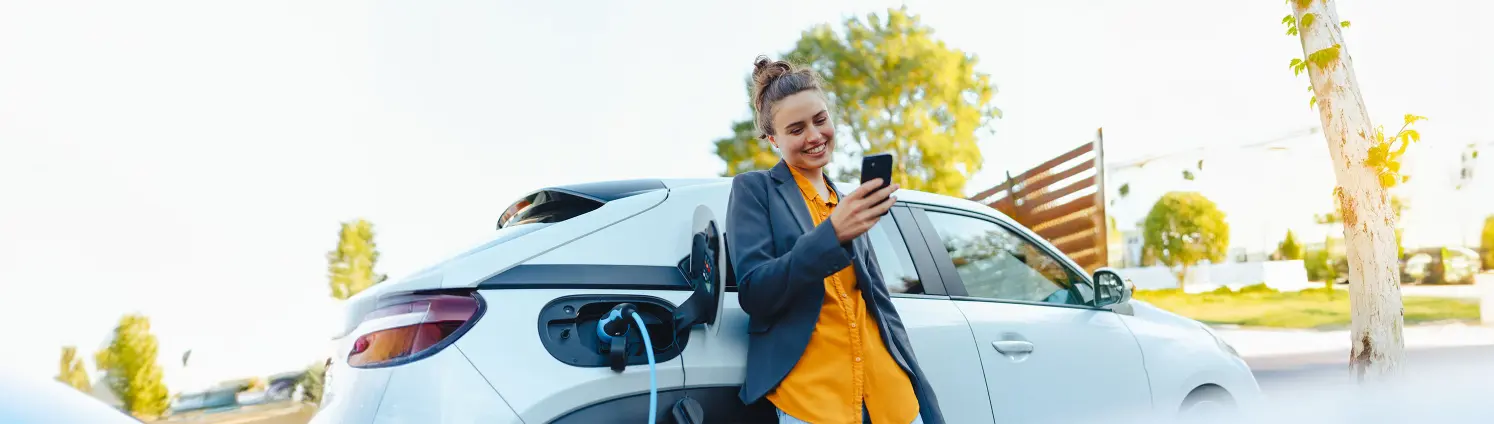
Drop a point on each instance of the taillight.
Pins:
(413, 327)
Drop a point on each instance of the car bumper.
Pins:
(443, 388)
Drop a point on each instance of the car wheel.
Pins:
(1207, 404)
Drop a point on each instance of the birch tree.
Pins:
(1366, 165)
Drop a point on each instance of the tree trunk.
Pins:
(1374, 284)
(1182, 278)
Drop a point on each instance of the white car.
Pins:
(1007, 329)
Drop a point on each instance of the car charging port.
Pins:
(571, 330)
(612, 335)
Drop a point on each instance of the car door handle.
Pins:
(1012, 347)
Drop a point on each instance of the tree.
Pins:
(1289, 249)
(743, 151)
(130, 369)
(893, 88)
(1487, 242)
(1365, 165)
(311, 382)
(1184, 228)
(350, 266)
(72, 372)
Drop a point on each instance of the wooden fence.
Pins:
(1071, 215)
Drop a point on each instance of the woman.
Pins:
(824, 342)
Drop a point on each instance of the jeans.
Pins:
(784, 418)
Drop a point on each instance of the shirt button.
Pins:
(858, 359)
(853, 325)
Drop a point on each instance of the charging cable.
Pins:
(613, 330)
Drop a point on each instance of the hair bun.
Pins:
(765, 70)
(772, 80)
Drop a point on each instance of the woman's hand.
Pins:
(861, 209)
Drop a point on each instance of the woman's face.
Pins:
(803, 132)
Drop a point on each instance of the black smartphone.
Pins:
(877, 166)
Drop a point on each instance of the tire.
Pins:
(1207, 404)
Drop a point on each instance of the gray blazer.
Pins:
(781, 260)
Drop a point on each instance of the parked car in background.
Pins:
(1006, 327)
(1442, 265)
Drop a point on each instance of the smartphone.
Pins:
(877, 166)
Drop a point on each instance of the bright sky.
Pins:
(191, 159)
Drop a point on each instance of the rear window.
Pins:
(546, 207)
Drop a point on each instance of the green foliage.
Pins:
(311, 382)
(1326, 58)
(1188, 175)
(1289, 249)
(1184, 228)
(1320, 266)
(130, 368)
(894, 88)
(1125, 190)
(1385, 155)
(743, 151)
(350, 266)
(1486, 241)
(72, 372)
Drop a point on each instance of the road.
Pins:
(1287, 376)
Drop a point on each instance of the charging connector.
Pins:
(613, 331)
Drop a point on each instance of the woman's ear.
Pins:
(774, 142)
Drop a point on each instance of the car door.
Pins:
(1048, 357)
(941, 337)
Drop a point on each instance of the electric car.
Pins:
(1006, 327)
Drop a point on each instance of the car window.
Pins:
(995, 263)
(893, 257)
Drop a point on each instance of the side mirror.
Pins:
(1112, 292)
(704, 272)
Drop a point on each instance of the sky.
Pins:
(191, 160)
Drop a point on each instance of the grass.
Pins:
(1320, 308)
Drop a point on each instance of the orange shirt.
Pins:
(846, 362)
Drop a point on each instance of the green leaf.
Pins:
(1188, 175)
(1307, 20)
(1325, 58)
(1287, 19)
(1411, 119)
(1410, 135)
(1344, 24)
(1313, 102)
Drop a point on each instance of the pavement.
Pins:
(1291, 364)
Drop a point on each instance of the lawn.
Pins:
(1261, 306)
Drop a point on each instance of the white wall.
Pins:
(1280, 275)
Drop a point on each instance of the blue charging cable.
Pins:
(614, 325)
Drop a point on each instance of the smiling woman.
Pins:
(803, 267)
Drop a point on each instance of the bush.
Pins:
(1258, 288)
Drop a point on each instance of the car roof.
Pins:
(903, 195)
